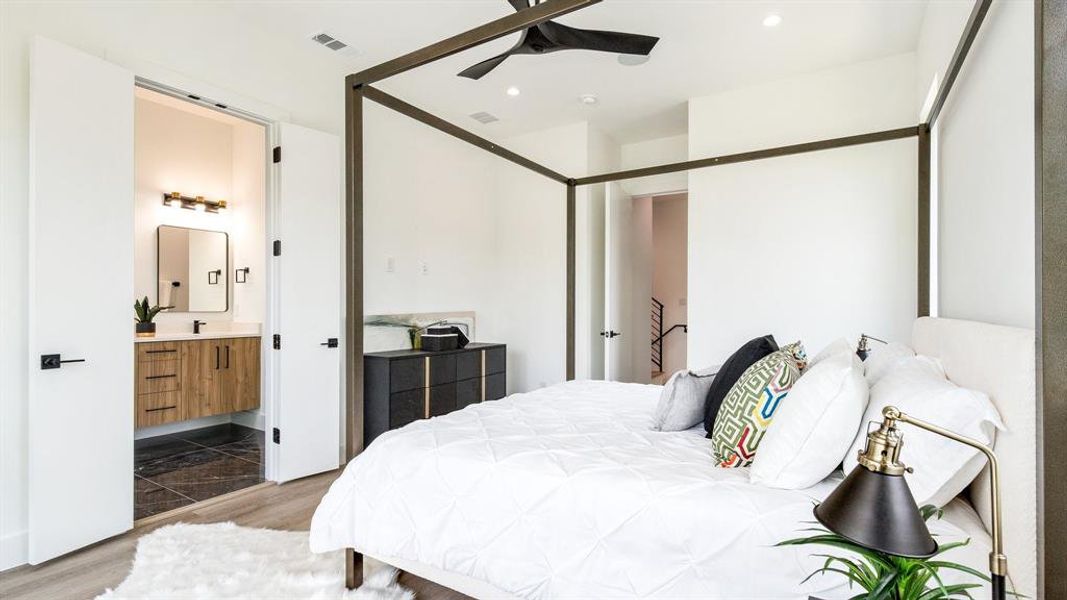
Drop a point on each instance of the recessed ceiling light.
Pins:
(772, 20)
(512, 91)
(588, 99)
(632, 60)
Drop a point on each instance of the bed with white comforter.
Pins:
(566, 492)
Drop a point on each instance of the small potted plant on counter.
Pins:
(144, 315)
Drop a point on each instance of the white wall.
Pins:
(986, 175)
(642, 257)
(198, 152)
(530, 281)
(248, 231)
(218, 54)
(589, 259)
(468, 231)
(669, 272)
(814, 246)
(942, 26)
(651, 153)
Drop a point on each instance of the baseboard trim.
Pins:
(14, 550)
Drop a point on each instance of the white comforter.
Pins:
(566, 492)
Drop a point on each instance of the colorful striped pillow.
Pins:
(749, 406)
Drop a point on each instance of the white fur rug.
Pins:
(223, 560)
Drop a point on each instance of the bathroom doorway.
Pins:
(200, 254)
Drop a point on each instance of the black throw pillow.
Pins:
(745, 356)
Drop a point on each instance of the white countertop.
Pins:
(174, 332)
(207, 335)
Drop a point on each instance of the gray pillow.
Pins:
(681, 404)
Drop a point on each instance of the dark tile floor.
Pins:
(170, 471)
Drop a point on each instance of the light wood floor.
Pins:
(88, 572)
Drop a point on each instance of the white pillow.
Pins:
(840, 346)
(882, 359)
(815, 424)
(943, 467)
(681, 403)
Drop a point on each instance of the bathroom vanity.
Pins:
(187, 376)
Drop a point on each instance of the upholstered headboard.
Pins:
(999, 361)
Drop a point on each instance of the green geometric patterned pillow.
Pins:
(749, 406)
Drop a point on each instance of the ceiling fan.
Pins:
(553, 37)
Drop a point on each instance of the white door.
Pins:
(81, 300)
(309, 222)
(618, 338)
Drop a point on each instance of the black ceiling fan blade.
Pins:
(477, 71)
(603, 41)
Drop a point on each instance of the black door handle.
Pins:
(227, 356)
(216, 358)
(330, 343)
(54, 361)
(609, 334)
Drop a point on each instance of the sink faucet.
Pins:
(196, 325)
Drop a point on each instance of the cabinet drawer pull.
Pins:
(160, 376)
(159, 351)
(216, 358)
(160, 408)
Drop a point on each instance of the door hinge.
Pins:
(277, 248)
(276, 155)
(277, 341)
(277, 435)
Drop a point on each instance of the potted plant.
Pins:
(143, 315)
(889, 577)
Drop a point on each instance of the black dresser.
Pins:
(401, 386)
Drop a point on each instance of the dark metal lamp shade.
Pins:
(877, 511)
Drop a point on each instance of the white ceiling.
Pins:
(706, 46)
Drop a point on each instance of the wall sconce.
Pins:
(199, 203)
(241, 275)
(217, 273)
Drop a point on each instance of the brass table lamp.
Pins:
(874, 507)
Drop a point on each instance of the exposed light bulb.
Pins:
(772, 20)
(512, 91)
(199, 207)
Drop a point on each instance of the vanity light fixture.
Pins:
(198, 203)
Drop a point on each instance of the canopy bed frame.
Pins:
(1051, 211)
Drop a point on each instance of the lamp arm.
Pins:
(998, 563)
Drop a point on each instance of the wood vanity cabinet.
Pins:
(189, 379)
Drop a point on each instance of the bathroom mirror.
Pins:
(192, 267)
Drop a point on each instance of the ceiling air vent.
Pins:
(484, 117)
(329, 41)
